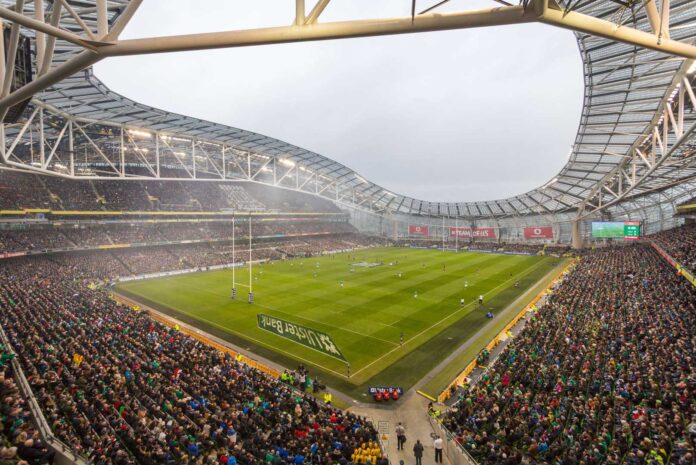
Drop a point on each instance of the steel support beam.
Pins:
(316, 11)
(44, 66)
(321, 31)
(40, 37)
(70, 67)
(598, 27)
(653, 16)
(11, 55)
(77, 19)
(102, 19)
(2, 56)
(43, 28)
(299, 12)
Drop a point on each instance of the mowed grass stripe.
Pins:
(466, 308)
(381, 295)
(365, 317)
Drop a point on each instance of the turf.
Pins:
(365, 317)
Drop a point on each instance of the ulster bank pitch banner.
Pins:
(535, 232)
(417, 230)
(306, 336)
(472, 232)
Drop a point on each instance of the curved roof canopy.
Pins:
(635, 135)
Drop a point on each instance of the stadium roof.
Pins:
(635, 135)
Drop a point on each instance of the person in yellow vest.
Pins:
(239, 358)
(77, 359)
(328, 398)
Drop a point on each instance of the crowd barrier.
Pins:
(502, 335)
(456, 454)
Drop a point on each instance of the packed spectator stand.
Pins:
(122, 388)
(680, 244)
(603, 373)
(20, 441)
(21, 190)
(47, 237)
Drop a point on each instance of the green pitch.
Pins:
(365, 317)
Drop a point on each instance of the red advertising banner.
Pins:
(535, 232)
(417, 230)
(472, 232)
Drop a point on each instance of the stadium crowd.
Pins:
(20, 442)
(20, 190)
(86, 234)
(108, 264)
(121, 388)
(680, 244)
(605, 372)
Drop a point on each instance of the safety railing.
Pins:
(454, 451)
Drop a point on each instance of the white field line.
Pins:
(305, 318)
(246, 336)
(445, 318)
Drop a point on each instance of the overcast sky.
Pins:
(460, 115)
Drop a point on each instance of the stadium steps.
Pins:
(97, 195)
(50, 195)
(125, 265)
(67, 238)
(108, 238)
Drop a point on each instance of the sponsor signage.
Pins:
(472, 232)
(308, 337)
(417, 230)
(372, 390)
(538, 232)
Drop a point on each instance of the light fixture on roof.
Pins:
(172, 138)
(139, 133)
(286, 162)
(389, 193)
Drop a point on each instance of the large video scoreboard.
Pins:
(616, 229)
